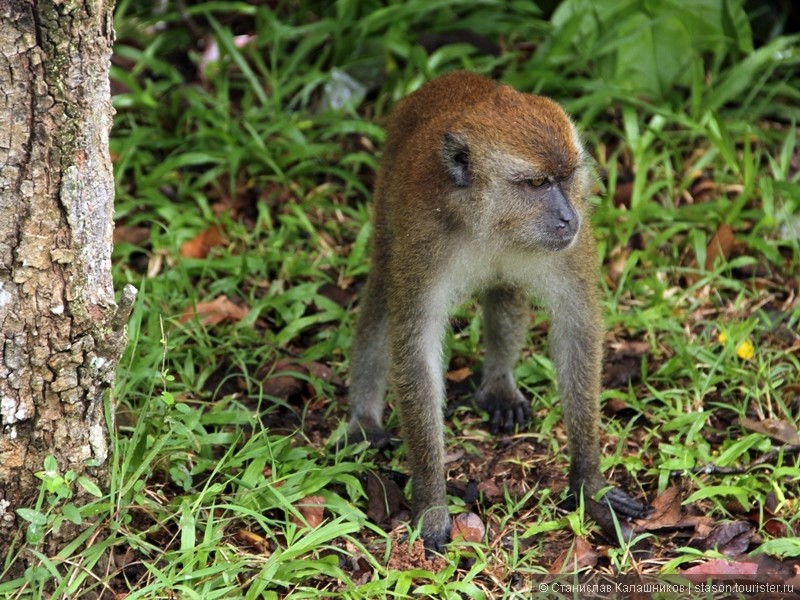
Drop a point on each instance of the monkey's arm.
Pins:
(576, 345)
(417, 325)
(369, 369)
(506, 318)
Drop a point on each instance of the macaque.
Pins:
(482, 189)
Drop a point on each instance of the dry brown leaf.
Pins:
(312, 508)
(201, 244)
(458, 375)
(287, 377)
(731, 538)
(468, 527)
(336, 294)
(666, 511)
(579, 556)
(719, 566)
(253, 540)
(702, 524)
(319, 370)
(280, 381)
(623, 193)
(629, 348)
(490, 488)
(384, 498)
(618, 257)
(777, 429)
(219, 309)
(703, 188)
(131, 235)
(721, 244)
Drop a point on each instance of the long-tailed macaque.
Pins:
(481, 189)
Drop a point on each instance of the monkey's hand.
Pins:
(507, 407)
(377, 437)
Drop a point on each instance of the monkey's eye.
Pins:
(461, 158)
(536, 182)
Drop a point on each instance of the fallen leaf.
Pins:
(721, 245)
(622, 373)
(458, 375)
(336, 294)
(219, 309)
(319, 370)
(490, 488)
(131, 235)
(719, 566)
(702, 524)
(731, 539)
(201, 244)
(629, 348)
(362, 571)
(666, 511)
(286, 377)
(384, 498)
(468, 527)
(623, 193)
(253, 540)
(703, 188)
(281, 380)
(777, 429)
(312, 508)
(579, 556)
(618, 258)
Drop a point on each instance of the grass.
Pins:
(220, 463)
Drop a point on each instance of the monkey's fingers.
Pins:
(436, 537)
(625, 506)
(377, 438)
(505, 414)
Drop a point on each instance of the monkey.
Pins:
(481, 190)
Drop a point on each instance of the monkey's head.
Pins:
(517, 171)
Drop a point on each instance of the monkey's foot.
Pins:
(508, 409)
(377, 437)
(436, 531)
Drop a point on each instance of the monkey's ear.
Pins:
(455, 152)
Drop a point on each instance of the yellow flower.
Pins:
(746, 350)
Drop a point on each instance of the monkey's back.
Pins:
(411, 174)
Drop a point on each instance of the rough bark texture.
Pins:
(61, 333)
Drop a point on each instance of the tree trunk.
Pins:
(61, 333)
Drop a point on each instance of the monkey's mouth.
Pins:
(556, 238)
(559, 243)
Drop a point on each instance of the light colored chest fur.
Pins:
(475, 266)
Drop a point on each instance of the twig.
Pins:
(712, 469)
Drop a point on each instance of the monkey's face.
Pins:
(523, 187)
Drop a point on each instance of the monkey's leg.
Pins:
(576, 345)
(369, 368)
(417, 374)
(506, 319)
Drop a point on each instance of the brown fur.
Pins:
(481, 189)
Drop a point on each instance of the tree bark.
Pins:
(61, 333)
